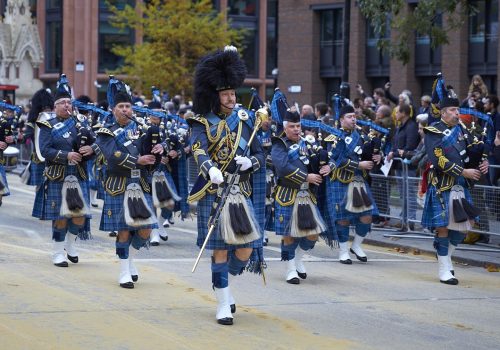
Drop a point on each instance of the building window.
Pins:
(53, 36)
(427, 59)
(272, 48)
(331, 43)
(249, 23)
(377, 61)
(483, 38)
(110, 37)
(53, 4)
(242, 7)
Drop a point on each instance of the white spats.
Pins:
(445, 275)
(301, 269)
(125, 278)
(223, 315)
(356, 248)
(58, 256)
(69, 245)
(292, 276)
(344, 256)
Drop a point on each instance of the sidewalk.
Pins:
(410, 242)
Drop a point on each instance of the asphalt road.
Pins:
(392, 302)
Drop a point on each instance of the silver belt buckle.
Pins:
(135, 174)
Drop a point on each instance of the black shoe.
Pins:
(412, 226)
(112, 234)
(294, 280)
(171, 221)
(226, 321)
(451, 281)
(155, 244)
(73, 259)
(128, 285)
(62, 264)
(302, 275)
(233, 308)
(166, 225)
(135, 278)
(164, 238)
(360, 258)
(346, 262)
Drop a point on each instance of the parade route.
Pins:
(392, 302)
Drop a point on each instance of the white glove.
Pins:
(245, 162)
(215, 176)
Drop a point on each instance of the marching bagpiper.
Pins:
(63, 197)
(6, 138)
(349, 195)
(128, 207)
(297, 217)
(221, 141)
(454, 168)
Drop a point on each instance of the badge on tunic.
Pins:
(281, 218)
(348, 140)
(118, 154)
(447, 132)
(109, 212)
(243, 115)
(66, 135)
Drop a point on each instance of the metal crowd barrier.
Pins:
(406, 204)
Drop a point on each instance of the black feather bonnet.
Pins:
(221, 70)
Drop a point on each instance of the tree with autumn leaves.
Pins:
(176, 34)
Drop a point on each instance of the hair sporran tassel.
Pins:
(132, 207)
(357, 200)
(245, 225)
(472, 211)
(305, 215)
(366, 198)
(142, 210)
(459, 213)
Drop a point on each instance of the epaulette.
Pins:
(198, 118)
(46, 123)
(276, 140)
(432, 129)
(105, 131)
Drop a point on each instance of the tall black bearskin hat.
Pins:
(40, 101)
(118, 92)
(63, 89)
(221, 70)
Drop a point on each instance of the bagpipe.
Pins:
(85, 135)
(374, 140)
(475, 140)
(98, 116)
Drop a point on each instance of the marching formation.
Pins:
(261, 169)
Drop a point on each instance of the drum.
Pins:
(11, 154)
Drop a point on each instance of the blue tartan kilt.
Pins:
(269, 226)
(259, 196)
(113, 218)
(180, 178)
(434, 215)
(337, 198)
(93, 179)
(216, 241)
(330, 236)
(48, 198)
(36, 173)
(4, 180)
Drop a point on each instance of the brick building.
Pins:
(77, 39)
(310, 52)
